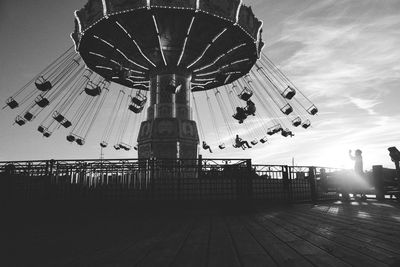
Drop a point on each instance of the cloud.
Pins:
(365, 104)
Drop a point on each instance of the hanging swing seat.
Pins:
(12, 103)
(287, 109)
(137, 103)
(117, 147)
(71, 138)
(66, 123)
(92, 89)
(103, 144)
(47, 133)
(58, 117)
(139, 100)
(19, 120)
(306, 124)
(296, 122)
(313, 110)
(254, 142)
(43, 84)
(246, 94)
(250, 109)
(125, 147)
(222, 146)
(287, 133)
(28, 116)
(80, 141)
(135, 148)
(274, 130)
(289, 93)
(42, 101)
(135, 109)
(41, 129)
(263, 140)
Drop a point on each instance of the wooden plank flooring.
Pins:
(328, 234)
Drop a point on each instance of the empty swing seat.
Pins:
(42, 101)
(41, 129)
(138, 103)
(289, 93)
(139, 100)
(274, 130)
(12, 103)
(71, 138)
(135, 109)
(80, 141)
(92, 89)
(42, 84)
(296, 122)
(58, 117)
(117, 147)
(263, 140)
(306, 124)
(246, 94)
(313, 110)
(28, 116)
(66, 124)
(222, 146)
(135, 148)
(103, 144)
(46, 134)
(254, 142)
(287, 109)
(20, 121)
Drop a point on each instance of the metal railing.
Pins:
(162, 179)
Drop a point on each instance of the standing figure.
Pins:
(358, 166)
(358, 161)
(239, 142)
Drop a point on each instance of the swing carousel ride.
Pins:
(165, 57)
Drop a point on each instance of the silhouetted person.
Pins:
(239, 142)
(358, 161)
(250, 108)
(240, 114)
(358, 165)
(206, 147)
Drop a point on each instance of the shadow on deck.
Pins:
(329, 234)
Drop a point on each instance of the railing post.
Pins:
(378, 179)
(313, 185)
(286, 184)
(249, 182)
(152, 178)
(199, 166)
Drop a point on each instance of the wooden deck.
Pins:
(331, 234)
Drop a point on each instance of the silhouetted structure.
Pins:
(169, 50)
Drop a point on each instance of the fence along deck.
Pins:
(201, 179)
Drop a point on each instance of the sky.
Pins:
(343, 54)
